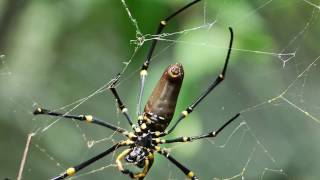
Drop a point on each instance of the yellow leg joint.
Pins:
(143, 72)
(148, 120)
(221, 76)
(158, 140)
(157, 133)
(185, 113)
(137, 129)
(185, 139)
(71, 171)
(39, 110)
(150, 156)
(140, 175)
(127, 142)
(140, 117)
(120, 157)
(157, 148)
(190, 174)
(131, 135)
(88, 118)
(143, 126)
(124, 110)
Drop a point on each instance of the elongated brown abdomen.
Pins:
(162, 102)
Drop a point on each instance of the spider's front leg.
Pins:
(211, 87)
(148, 161)
(145, 66)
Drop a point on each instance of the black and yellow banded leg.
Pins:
(184, 169)
(121, 106)
(192, 138)
(214, 84)
(85, 118)
(147, 165)
(145, 66)
(120, 157)
(140, 176)
(73, 170)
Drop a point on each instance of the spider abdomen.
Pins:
(161, 104)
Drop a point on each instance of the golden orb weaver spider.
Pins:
(147, 135)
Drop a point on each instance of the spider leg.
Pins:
(72, 170)
(147, 165)
(86, 118)
(121, 106)
(184, 169)
(120, 157)
(140, 176)
(214, 84)
(208, 135)
(144, 68)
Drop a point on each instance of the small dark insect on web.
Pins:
(147, 135)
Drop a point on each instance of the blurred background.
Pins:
(57, 54)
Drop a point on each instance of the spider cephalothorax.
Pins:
(144, 140)
(148, 133)
(140, 149)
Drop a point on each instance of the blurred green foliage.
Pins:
(57, 52)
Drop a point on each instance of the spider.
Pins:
(143, 142)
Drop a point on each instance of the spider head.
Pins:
(137, 156)
(144, 140)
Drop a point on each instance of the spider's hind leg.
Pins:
(145, 66)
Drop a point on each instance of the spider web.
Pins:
(272, 82)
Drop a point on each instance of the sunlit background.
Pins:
(57, 54)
